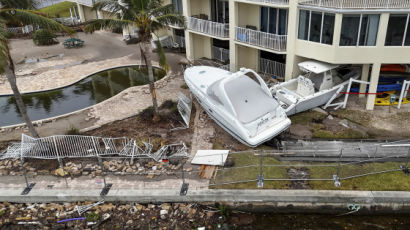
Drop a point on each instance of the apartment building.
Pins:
(273, 36)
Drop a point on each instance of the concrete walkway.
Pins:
(320, 201)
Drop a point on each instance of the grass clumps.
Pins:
(72, 130)
(92, 216)
(344, 134)
(59, 10)
(307, 117)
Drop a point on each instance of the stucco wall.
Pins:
(248, 14)
(201, 46)
(247, 57)
(201, 7)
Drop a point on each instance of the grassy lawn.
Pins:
(59, 10)
(246, 168)
(307, 117)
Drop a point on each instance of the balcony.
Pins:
(180, 41)
(216, 29)
(261, 39)
(272, 68)
(358, 4)
(274, 2)
(84, 2)
(220, 54)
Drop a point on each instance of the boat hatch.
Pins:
(316, 66)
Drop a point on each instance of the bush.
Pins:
(147, 114)
(44, 38)
(92, 217)
(72, 130)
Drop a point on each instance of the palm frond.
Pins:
(100, 24)
(28, 17)
(161, 10)
(114, 7)
(161, 55)
(171, 18)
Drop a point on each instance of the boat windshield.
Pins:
(249, 100)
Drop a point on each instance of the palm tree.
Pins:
(148, 16)
(23, 17)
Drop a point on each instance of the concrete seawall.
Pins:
(309, 201)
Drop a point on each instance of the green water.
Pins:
(89, 91)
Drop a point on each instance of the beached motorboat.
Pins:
(315, 88)
(242, 106)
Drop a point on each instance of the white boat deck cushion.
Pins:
(250, 102)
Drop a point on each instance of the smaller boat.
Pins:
(242, 106)
(321, 83)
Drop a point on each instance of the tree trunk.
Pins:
(146, 53)
(11, 77)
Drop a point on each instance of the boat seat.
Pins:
(287, 96)
(305, 86)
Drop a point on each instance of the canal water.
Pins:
(89, 91)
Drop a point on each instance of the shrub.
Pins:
(44, 38)
(92, 217)
(147, 114)
(72, 130)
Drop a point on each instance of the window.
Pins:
(316, 26)
(274, 20)
(220, 11)
(177, 6)
(359, 30)
(303, 24)
(398, 30)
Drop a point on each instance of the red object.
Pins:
(359, 93)
(393, 68)
(165, 160)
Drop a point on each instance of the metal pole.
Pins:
(222, 168)
(260, 176)
(24, 171)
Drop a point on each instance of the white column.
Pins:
(81, 12)
(233, 21)
(291, 39)
(338, 29)
(365, 76)
(374, 81)
(186, 9)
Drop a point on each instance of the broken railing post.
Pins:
(336, 177)
(29, 186)
(107, 187)
(184, 188)
(260, 176)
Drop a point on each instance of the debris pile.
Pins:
(105, 215)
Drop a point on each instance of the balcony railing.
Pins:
(358, 4)
(276, 2)
(84, 2)
(180, 41)
(261, 39)
(220, 54)
(208, 27)
(272, 67)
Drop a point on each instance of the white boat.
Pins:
(321, 83)
(242, 106)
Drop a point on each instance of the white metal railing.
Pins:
(180, 41)
(277, 2)
(84, 2)
(358, 4)
(261, 39)
(208, 27)
(220, 54)
(272, 67)
(21, 30)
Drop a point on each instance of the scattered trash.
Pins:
(201, 228)
(31, 222)
(24, 218)
(82, 209)
(91, 223)
(344, 123)
(71, 219)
